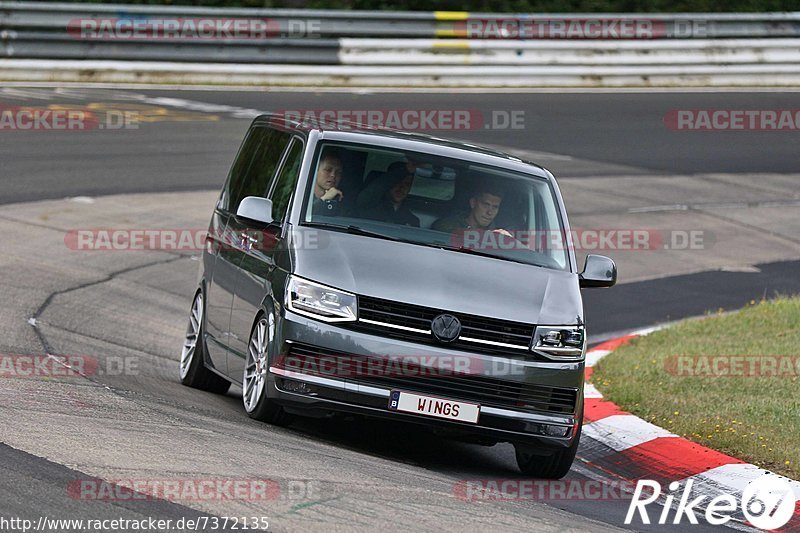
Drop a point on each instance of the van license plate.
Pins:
(409, 402)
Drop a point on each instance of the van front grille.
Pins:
(414, 323)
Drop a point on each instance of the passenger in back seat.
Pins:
(384, 198)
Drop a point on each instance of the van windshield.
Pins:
(436, 201)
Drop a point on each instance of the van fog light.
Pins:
(298, 387)
(548, 430)
(556, 431)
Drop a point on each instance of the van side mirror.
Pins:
(598, 271)
(256, 209)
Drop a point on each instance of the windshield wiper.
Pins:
(473, 251)
(353, 230)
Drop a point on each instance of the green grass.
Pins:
(753, 418)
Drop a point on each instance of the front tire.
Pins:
(554, 466)
(193, 371)
(256, 371)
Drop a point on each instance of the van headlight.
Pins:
(559, 342)
(319, 301)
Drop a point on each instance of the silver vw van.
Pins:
(387, 274)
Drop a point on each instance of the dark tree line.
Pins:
(500, 6)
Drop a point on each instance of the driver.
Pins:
(484, 206)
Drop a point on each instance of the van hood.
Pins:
(440, 279)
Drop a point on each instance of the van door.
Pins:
(262, 258)
(248, 177)
(219, 278)
(258, 246)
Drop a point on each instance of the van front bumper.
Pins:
(325, 393)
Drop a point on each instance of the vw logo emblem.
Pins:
(446, 328)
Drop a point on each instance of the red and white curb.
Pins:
(637, 449)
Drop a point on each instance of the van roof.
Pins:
(343, 126)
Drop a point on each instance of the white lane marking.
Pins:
(737, 477)
(4, 97)
(621, 432)
(26, 94)
(712, 205)
(722, 205)
(780, 203)
(192, 105)
(593, 356)
(86, 94)
(180, 103)
(590, 391)
(647, 331)
(81, 199)
(658, 208)
(748, 269)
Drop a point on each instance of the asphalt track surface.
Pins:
(30, 481)
(619, 134)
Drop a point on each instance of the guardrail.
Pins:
(367, 47)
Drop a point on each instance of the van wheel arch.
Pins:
(255, 397)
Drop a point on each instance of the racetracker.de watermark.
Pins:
(478, 490)
(60, 118)
(733, 120)
(191, 29)
(59, 366)
(405, 366)
(407, 119)
(184, 239)
(733, 366)
(600, 28)
(197, 240)
(196, 489)
(584, 239)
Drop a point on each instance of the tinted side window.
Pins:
(286, 182)
(253, 179)
(240, 167)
